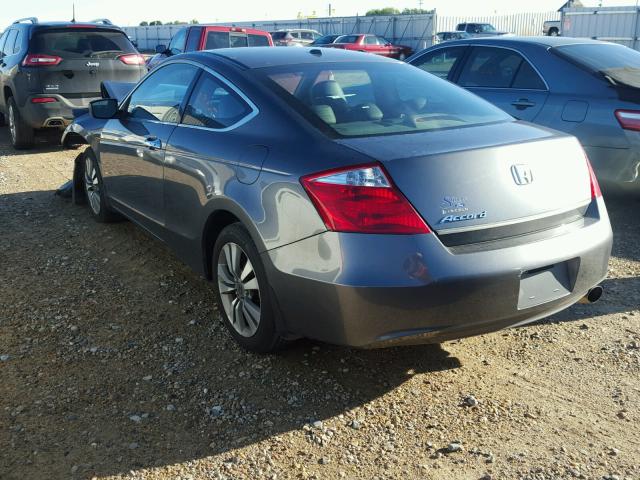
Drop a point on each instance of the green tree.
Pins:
(383, 11)
(155, 23)
(195, 21)
(415, 11)
(144, 24)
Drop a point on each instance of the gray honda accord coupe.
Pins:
(346, 197)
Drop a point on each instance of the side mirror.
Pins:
(161, 48)
(105, 108)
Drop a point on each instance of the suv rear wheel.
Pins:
(21, 133)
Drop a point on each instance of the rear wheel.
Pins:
(402, 57)
(94, 190)
(243, 292)
(553, 32)
(21, 133)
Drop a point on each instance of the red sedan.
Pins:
(372, 44)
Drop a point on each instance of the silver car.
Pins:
(347, 197)
(295, 37)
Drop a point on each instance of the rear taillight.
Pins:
(39, 60)
(629, 119)
(595, 186)
(362, 199)
(44, 100)
(132, 59)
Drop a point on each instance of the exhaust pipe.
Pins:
(593, 295)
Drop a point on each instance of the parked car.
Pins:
(50, 68)
(295, 37)
(324, 40)
(479, 29)
(587, 88)
(372, 44)
(448, 36)
(551, 28)
(209, 37)
(348, 198)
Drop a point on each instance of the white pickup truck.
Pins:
(551, 28)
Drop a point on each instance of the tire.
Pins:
(553, 32)
(402, 57)
(21, 134)
(243, 293)
(94, 190)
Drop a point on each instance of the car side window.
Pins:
(11, 40)
(159, 96)
(490, 67)
(370, 40)
(528, 78)
(307, 35)
(3, 39)
(17, 46)
(213, 104)
(178, 42)
(440, 62)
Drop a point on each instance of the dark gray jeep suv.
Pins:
(49, 69)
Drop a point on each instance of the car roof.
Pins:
(225, 28)
(258, 57)
(544, 41)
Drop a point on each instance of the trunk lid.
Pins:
(497, 177)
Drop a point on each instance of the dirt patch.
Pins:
(113, 364)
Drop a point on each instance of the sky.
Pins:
(132, 12)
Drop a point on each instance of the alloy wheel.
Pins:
(239, 289)
(92, 184)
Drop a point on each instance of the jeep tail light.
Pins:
(629, 119)
(132, 59)
(40, 60)
(595, 186)
(362, 199)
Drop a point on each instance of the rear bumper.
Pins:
(58, 114)
(380, 290)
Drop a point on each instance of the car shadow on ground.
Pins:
(120, 380)
(45, 141)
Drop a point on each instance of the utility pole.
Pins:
(73, 6)
(420, 2)
(330, 10)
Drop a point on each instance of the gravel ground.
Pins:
(113, 364)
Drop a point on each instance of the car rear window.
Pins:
(81, 43)
(258, 40)
(278, 35)
(620, 63)
(377, 98)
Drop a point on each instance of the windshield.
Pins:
(81, 43)
(325, 39)
(620, 63)
(278, 35)
(347, 39)
(377, 98)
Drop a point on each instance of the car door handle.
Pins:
(523, 103)
(153, 143)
